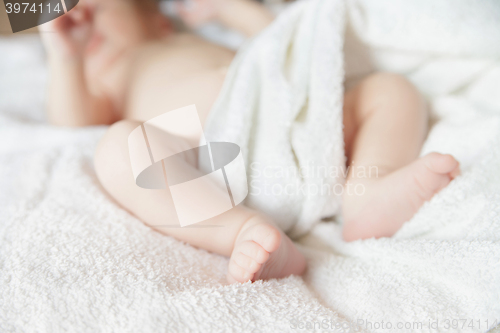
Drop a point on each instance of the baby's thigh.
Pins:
(114, 170)
(378, 91)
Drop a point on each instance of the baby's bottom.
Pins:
(385, 124)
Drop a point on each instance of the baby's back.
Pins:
(175, 72)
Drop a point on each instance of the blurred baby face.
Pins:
(118, 26)
(120, 22)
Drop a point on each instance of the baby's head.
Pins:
(127, 21)
(120, 26)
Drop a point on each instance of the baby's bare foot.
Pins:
(264, 252)
(390, 201)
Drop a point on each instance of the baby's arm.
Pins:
(70, 103)
(246, 16)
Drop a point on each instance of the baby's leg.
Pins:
(258, 250)
(385, 123)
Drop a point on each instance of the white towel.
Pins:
(282, 104)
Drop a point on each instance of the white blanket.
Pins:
(73, 260)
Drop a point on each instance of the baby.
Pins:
(120, 62)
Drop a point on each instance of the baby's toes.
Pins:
(455, 172)
(236, 273)
(442, 164)
(267, 236)
(254, 251)
(245, 262)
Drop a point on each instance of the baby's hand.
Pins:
(198, 12)
(67, 36)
